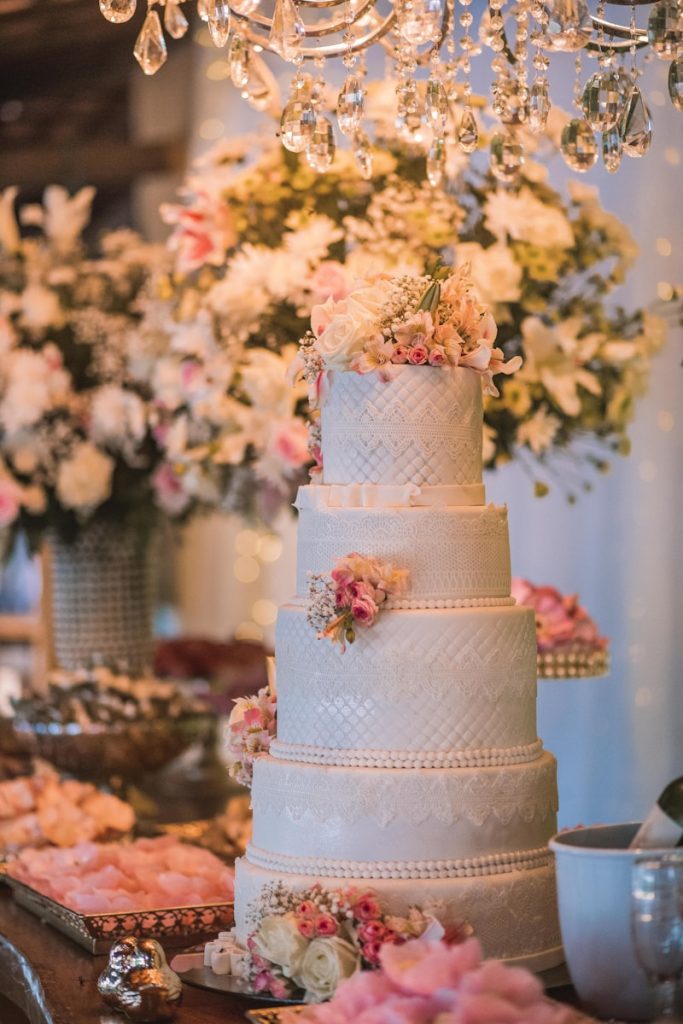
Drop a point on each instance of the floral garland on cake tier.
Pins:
(251, 729)
(351, 595)
(305, 943)
(258, 244)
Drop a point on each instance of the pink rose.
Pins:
(372, 931)
(371, 951)
(326, 925)
(437, 356)
(306, 928)
(366, 908)
(279, 988)
(329, 280)
(169, 492)
(307, 908)
(10, 501)
(418, 355)
(401, 354)
(289, 442)
(364, 610)
(342, 576)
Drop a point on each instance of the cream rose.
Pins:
(84, 480)
(325, 964)
(344, 336)
(279, 940)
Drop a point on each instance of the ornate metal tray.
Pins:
(173, 926)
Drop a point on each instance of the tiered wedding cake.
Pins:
(409, 762)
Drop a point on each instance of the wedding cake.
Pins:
(406, 758)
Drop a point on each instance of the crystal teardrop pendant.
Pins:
(150, 46)
(245, 7)
(419, 21)
(468, 133)
(321, 148)
(635, 124)
(350, 104)
(239, 56)
(203, 9)
(363, 155)
(507, 158)
(118, 11)
(287, 30)
(436, 162)
(665, 29)
(578, 145)
(611, 150)
(509, 103)
(436, 106)
(569, 25)
(602, 100)
(297, 122)
(175, 22)
(218, 20)
(676, 83)
(539, 105)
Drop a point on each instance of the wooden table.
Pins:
(54, 981)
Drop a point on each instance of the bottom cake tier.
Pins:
(513, 912)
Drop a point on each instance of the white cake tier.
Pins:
(423, 426)
(399, 814)
(513, 913)
(453, 555)
(421, 688)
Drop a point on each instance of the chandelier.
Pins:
(431, 45)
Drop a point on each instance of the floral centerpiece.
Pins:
(305, 943)
(568, 640)
(352, 595)
(258, 245)
(251, 728)
(429, 982)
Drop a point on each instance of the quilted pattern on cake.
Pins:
(419, 427)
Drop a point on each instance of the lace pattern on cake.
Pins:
(449, 553)
(350, 795)
(486, 758)
(471, 867)
(417, 428)
(419, 681)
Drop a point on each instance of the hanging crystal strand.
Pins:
(287, 30)
(436, 116)
(522, 21)
(362, 150)
(635, 123)
(150, 46)
(298, 115)
(351, 99)
(578, 145)
(218, 20)
(239, 56)
(408, 106)
(507, 152)
(539, 94)
(321, 145)
(468, 133)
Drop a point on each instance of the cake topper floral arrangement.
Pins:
(351, 596)
(433, 319)
(251, 729)
(305, 943)
(258, 243)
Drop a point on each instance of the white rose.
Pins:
(40, 308)
(84, 480)
(344, 337)
(279, 940)
(325, 964)
(371, 298)
(117, 416)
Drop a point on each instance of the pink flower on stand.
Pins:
(418, 355)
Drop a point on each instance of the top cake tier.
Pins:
(423, 426)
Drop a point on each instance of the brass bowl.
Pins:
(126, 751)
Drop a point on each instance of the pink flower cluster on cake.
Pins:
(306, 943)
(352, 595)
(430, 982)
(427, 320)
(251, 727)
(561, 622)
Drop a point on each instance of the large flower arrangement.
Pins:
(77, 428)
(258, 246)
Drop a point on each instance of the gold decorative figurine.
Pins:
(138, 981)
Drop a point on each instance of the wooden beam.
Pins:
(100, 162)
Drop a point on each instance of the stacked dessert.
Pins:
(408, 761)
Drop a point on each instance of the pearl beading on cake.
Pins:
(485, 758)
(468, 867)
(410, 603)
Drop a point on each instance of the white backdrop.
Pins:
(618, 739)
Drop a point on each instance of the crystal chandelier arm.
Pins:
(373, 35)
(621, 36)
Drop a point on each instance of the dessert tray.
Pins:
(172, 926)
(273, 1015)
